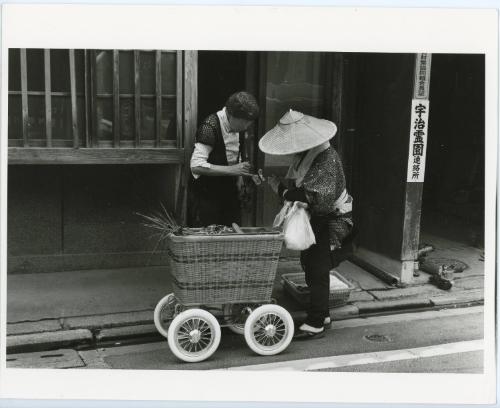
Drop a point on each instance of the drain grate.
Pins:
(377, 338)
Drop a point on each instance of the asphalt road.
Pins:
(433, 341)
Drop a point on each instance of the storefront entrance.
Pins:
(453, 199)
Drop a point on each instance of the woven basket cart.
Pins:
(224, 269)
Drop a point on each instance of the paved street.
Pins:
(448, 340)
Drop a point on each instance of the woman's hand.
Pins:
(241, 169)
(273, 182)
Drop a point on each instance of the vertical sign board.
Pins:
(419, 120)
(418, 140)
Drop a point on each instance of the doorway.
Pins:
(454, 189)
(220, 74)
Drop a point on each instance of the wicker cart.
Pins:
(223, 280)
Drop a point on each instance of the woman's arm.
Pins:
(200, 166)
(292, 194)
(239, 169)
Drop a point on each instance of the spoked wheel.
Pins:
(269, 330)
(165, 311)
(194, 335)
(236, 315)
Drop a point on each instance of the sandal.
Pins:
(302, 333)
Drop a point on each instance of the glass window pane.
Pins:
(104, 69)
(295, 80)
(147, 72)
(36, 121)
(148, 108)
(126, 72)
(168, 119)
(61, 118)
(15, 121)
(168, 73)
(105, 118)
(80, 71)
(35, 64)
(127, 119)
(59, 70)
(14, 70)
(80, 118)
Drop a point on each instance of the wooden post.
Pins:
(336, 98)
(94, 140)
(416, 166)
(116, 99)
(179, 98)
(252, 85)
(179, 128)
(190, 118)
(24, 95)
(262, 78)
(137, 99)
(158, 98)
(87, 98)
(48, 98)
(72, 76)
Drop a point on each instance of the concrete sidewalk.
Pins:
(82, 309)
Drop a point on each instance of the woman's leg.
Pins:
(317, 264)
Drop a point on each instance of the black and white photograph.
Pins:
(247, 212)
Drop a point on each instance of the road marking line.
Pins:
(346, 360)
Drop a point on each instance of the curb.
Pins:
(142, 328)
(48, 340)
(388, 305)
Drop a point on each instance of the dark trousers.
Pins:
(207, 207)
(220, 210)
(317, 261)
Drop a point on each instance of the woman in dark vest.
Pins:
(218, 162)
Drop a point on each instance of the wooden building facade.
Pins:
(96, 136)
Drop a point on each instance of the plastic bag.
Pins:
(336, 283)
(280, 217)
(298, 232)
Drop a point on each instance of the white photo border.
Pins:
(341, 29)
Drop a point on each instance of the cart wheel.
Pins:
(194, 335)
(165, 311)
(269, 330)
(235, 315)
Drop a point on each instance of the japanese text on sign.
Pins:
(418, 140)
(422, 75)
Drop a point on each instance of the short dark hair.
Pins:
(242, 105)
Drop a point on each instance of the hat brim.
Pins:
(298, 137)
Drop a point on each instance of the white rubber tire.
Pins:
(194, 335)
(160, 324)
(269, 330)
(238, 328)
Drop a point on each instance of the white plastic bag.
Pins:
(336, 283)
(280, 217)
(298, 232)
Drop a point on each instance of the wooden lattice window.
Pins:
(96, 99)
(46, 98)
(136, 98)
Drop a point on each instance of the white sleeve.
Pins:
(200, 157)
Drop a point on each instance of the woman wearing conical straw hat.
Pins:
(317, 178)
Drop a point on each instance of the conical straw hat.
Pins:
(296, 132)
